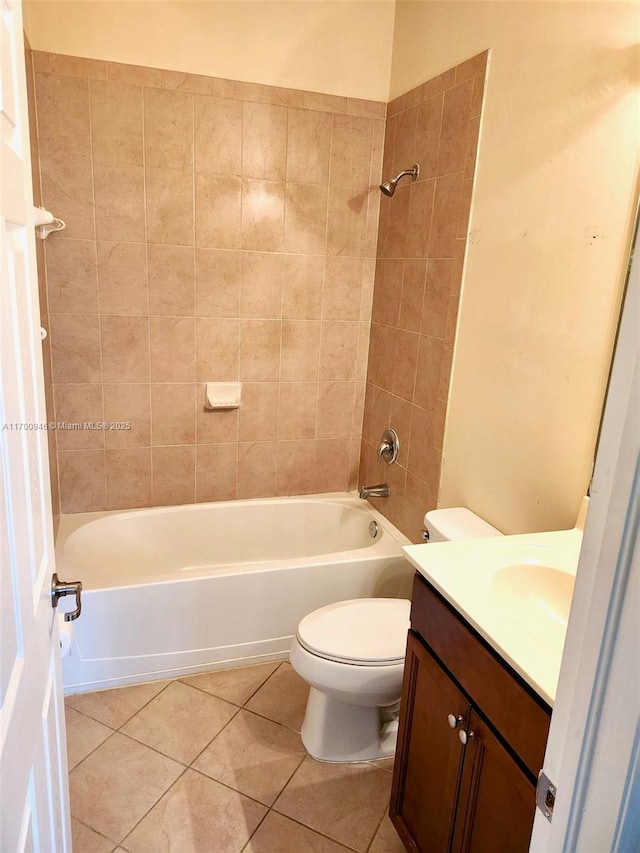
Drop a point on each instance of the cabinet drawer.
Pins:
(522, 720)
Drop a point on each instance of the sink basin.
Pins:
(515, 591)
(534, 593)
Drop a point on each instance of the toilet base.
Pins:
(340, 732)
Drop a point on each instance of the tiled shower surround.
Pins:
(421, 245)
(215, 231)
(219, 230)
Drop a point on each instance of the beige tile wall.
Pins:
(421, 246)
(216, 230)
(42, 285)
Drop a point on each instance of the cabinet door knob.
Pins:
(465, 737)
(455, 720)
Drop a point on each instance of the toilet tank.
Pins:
(459, 522)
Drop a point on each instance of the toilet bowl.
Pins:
(352, 655)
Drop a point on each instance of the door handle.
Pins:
(61, 588)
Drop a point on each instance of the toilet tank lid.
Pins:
(457, 523)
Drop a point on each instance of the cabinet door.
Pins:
(429, 754)
(497, 800)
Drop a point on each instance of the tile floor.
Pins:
(214, 763)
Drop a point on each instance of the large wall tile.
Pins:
(216, 467)
(217, 283)
(173, 349)
(173, 475)
(346, 222)
(217, 349)
(116, 123)
(258, 415)
(170, 217)
(338, 350)
(77, 407)
(261, 285)
(128, 403)
(128, 477)
(218, 136)
(119, 202)
(300, 353)
(173, 414)
(68, 263)
(262, 215)
(171, 280)
(168, 129)
(63, 116)
(67, 188)
(256, 469)
(351, 140)
(294, 474)
(342, 289)
(264, 141)
(82, 480)
(302, 287)
(260, 342)
(125, 349)
(305, 222)
(75, 347)
(297, 409)
(308, 146)
(218, 207)
(122, 276)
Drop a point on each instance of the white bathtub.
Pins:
(177, 590)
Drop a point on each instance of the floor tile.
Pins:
(196, 815)
(344, 801)
(278, 834)
(117, 784)
(387, 839)
(282, 698)
(85, 840)
(114, 707)
(180, 722)
(83, 736)
(255, 756)
(383, 764)
(233, 685)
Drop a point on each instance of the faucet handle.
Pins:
(389, 447)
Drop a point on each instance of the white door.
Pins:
(33, 767)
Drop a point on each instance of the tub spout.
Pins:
(380, 491)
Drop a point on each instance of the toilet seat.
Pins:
(362, 631)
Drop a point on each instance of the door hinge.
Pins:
(545, 795)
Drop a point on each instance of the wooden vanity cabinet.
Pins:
(447, 796)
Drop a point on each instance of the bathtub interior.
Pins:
(228, 616)
(166, 543)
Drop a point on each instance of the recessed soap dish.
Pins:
(222, 395)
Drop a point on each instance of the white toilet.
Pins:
(352, 655)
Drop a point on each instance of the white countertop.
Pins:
(514, 590)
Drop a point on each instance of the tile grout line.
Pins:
(97, 281)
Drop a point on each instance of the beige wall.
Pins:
(549, 232)
(341, 47)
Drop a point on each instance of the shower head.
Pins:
(389, 187)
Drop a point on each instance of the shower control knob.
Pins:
(455, 720)
(465, 737)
